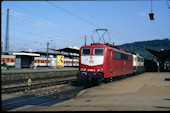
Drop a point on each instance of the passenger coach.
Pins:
(138, 64)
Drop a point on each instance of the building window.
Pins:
(12, 60)
(3, 59)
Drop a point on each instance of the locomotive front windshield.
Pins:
(98, 51)
(86, 51)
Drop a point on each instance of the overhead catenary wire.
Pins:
(57, 26)
(39, 35)
(80, 18)
(89, 22)
(34, 23)
(38, 23)
(99, 21)
(35, 34)
(32, 20)
(42, 25)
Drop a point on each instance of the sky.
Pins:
(66, 23)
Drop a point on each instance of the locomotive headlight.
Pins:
(82, 69)
(99, 70)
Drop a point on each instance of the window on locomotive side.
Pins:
(85, 51)
(129, 58)
(116, 55)
(98, 51)
(124, 56)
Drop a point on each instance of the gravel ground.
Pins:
(38, 92)
(51, 89)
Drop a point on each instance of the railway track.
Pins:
(43, 100)
(46, 99)
(45, 84)
(35, 86)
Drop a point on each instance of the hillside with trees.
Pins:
(139, 47)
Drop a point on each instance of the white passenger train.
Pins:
(8, 59)
(138, 64)
(38, 61)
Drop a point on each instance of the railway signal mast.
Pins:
(48, 47)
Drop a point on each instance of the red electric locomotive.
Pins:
(100, 62)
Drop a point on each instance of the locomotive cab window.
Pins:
(98, 51)
(85, 51)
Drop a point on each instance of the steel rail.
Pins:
(34, 86)
(39, 100)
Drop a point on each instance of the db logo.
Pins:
(91, 61)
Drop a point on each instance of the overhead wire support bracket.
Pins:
(168, 4)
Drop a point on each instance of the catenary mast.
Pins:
(7, 34)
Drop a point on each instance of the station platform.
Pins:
(39, 73)
(145, 92)
(39, 69)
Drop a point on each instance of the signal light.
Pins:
(151, 16)
(99, 70)
(82, 69)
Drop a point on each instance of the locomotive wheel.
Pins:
(99, 81)
(124, 76)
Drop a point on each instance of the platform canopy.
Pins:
(73, 52)
(45, 53)
(68, 49)
(24, 59)
(26, 54)
(163, 54)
